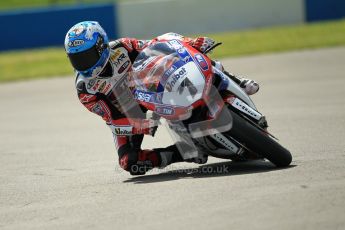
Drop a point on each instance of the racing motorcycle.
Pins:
(203, 106)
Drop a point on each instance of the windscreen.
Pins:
(165, 73)
(152, 64)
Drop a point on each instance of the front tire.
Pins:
(258, 141)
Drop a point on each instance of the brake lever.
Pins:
(212, 47)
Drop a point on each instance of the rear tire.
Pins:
(258, 141)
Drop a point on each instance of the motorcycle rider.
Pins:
(99, 65)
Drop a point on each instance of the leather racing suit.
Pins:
(97, 95)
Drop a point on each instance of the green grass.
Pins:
(29, 64)
(49, 62)
(14, 4)
(278, 39)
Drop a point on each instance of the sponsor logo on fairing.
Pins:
(170, 70)
(142, 96)
(75, 43)
(165, 110)
(201, 61)
(220, 138)
(186, 59)
(122, 130)
(238, 104)
(186, 83)
(181, 50)
(176, 44)
(170, 84)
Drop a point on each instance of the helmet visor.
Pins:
(86, 59)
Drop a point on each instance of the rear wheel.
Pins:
(258, 141)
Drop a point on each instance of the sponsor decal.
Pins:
(186, 59)
(123, 67)
(186, 83)
(142, 96)
(220, 138)
(175, 44)
(123, 130)
(101, 87)
(106, 88)
(76, 31)
(238, 104)
(118, 60)
(201, 61)
(181, 50)
(97, 109)
(86, 98)
(96, 85)
(165, 110)
(75, 43)
(115, 55)
(170, 84)
(91, 83)
(170, 70)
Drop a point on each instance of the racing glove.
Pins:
(202, 43)
(145, 126)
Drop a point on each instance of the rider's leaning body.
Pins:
(100, 64)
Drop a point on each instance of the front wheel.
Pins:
(258, 141)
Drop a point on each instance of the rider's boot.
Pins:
(172, 155)
(201, 158)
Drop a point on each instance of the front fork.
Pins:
(233, 147)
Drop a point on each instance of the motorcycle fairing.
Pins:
(171, 76)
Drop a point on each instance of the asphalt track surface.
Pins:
(59, 167)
